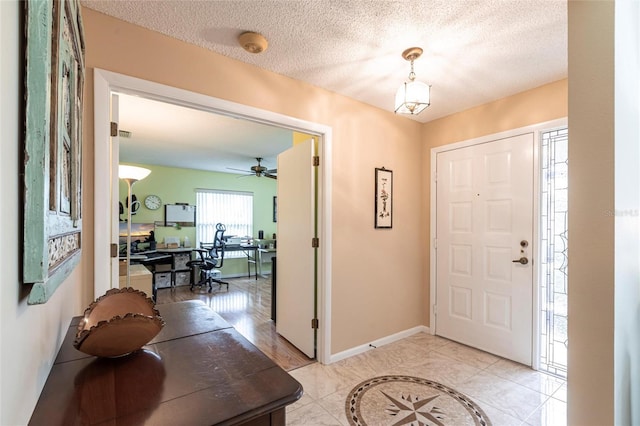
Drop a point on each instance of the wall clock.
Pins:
(152, 202)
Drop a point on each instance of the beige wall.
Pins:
(591, 230)
(544, 103)
(537, 105)
(366, 281)
(30, 335)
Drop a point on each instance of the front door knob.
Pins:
(523, 260)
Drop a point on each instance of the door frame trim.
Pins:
(105, 82)
(536, 129)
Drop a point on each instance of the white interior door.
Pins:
(114, 197)
(295, 295)
(484, 208)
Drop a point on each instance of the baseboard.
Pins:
(377, 343)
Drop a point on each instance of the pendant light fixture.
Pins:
(413, 96)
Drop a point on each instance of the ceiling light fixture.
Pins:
(253, 42)
(413, 96)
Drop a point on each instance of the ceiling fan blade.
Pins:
(257, 170)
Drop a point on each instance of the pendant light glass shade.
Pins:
(412, 97)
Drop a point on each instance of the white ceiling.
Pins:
(474, 51)
(176, 136)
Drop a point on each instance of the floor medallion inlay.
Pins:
(406, 400)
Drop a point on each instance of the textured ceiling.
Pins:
(474, 51)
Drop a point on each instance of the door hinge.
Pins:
(315, 323)
(315, 242)
(114, 250)
(316, 161)
(435, 244)
(435, 309)
(114, 129)
(435, 176)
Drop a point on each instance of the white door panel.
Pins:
(114, 197)
(295, 295)
(484, 210)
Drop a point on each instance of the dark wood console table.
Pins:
(197, 371)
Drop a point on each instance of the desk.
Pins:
(197, 370)
(265, 255)
(180, 272)
(175, 270)
(140, 278)
(139, 264)
(251, 251)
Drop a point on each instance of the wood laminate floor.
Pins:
(246, 306)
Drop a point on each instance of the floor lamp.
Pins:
(130, 174)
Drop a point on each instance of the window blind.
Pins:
(234, 209)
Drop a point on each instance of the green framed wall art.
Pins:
(54, 83)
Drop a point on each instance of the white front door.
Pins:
(295, 284)
(484, 209)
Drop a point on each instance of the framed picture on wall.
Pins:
(384, 198)
(54, 83)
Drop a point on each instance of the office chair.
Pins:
(211, 258)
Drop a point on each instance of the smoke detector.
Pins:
(253, 42)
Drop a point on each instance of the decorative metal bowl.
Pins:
(118, 323)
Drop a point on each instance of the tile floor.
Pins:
(509, 393)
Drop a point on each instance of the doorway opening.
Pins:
(219, 194)
(106, 154)
(553, 251)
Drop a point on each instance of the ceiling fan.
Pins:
(259, 170)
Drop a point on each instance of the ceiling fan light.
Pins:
(412, 97)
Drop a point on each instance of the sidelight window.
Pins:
(554, 254)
